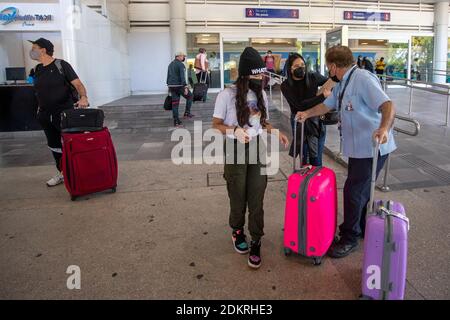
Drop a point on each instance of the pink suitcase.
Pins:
(311, 210)
(385, 247)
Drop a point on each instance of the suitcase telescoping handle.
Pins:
(302, 134)
(201, 76)
(376, 147)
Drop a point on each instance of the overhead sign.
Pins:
(365, 16)
(272, 13)
(11, 14)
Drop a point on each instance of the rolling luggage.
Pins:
(201, 89)
(385, 247)
(78, 120)
(89, 162)
(311, 209)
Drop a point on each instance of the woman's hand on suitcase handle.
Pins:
(301, 116)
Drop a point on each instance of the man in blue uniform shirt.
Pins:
(366, 114)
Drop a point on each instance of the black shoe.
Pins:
(239, 242)
(177, 123)
(188, 115)
(342, 248)
(254, 260)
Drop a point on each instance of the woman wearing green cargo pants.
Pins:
(241, 113)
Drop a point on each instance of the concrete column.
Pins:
(323, 49)
(177, 26)
(440, 40)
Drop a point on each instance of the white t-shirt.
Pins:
(225, 108)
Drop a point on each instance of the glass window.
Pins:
(210, 42)
(395, 55)
(422, 58)
(231, 53)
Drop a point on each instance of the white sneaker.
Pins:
(57, 179)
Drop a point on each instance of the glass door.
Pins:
(232, 49)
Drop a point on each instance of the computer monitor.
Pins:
(16, 73)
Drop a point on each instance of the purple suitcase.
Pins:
(385, 247)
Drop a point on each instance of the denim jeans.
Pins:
(314, 161)
(176, 92)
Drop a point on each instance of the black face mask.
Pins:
(299, 72)
(255, 85)
(335, 79)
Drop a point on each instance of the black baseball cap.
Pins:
(45, 44)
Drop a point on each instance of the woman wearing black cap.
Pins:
(241, 113)
(301, 92)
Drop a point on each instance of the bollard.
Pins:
(410, 99)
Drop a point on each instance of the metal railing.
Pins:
(384, 187)
(429, 87)
(278, 79)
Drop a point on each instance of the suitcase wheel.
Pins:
(73, 198)
(317, 261)
(113, 190)
(287, 252)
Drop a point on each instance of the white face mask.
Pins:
(254, 121)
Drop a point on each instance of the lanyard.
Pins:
(341, 95)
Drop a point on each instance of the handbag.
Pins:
(168, 103)
(330, 118)
(79, 120)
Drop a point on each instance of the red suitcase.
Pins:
(311, 210)
(89, 162)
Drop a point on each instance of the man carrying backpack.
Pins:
(57, 88)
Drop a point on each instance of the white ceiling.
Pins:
(407, 1)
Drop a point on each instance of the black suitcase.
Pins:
(201, 89)
(78, 120)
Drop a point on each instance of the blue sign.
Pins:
(272, 13)
(362, 15)
(11, 14)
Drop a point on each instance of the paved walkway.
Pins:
(164, 234)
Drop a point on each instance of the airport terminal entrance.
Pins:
(280, 47)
